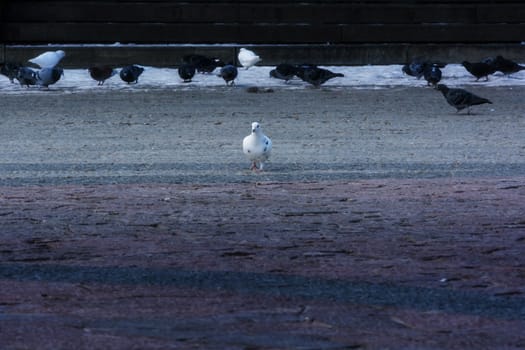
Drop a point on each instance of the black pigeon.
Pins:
(10, 70)
(228, 73)
(26, 76)
(284, 71)
(432, 74)
(203, 64)
(316, 76)
(479, 69)
(130, 74)
(101, 73)
(506, 66)
(461, 99)
(186, 72)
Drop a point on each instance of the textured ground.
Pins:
(377, 225)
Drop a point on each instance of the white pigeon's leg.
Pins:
(254, 166)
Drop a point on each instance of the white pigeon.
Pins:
(257, 147)
(48, 59)
(247, 58)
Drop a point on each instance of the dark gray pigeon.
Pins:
(460, 98)
(130, 74)
(26, 76)
(10, 70)
(284, 71)
(101, 73)
(186, 72)
(228, 73)
(432, 74)
(48, 76)
(203, 64)
(479, 69)
(317, 76)
(506, 66)
(416, 68)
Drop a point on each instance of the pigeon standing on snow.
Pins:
(432, 74)
(10, 70)
(506, 66)
(316, 76)
(228, 73)
(48, 76)
(48, 59)
(415, 68)
(130, 74)
(479, 69)
(461, 99)
(101, 73)
(247, 58)
(257, 147)
(186, 72)
(26, 76)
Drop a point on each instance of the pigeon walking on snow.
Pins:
(26, 76)
(247, 58)
(130, 74)
(48, 76)
(479, 69)
(316, 76)
(284, 71)
(101, 73)
(186, 72)
(10, 70)
(506, 66)
(48, 59)
(460, 98)
(228, 73)
(257, 147)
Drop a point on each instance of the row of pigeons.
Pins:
(50, 73)
(456, 97)
(431, 71)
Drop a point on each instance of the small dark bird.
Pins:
(479, 69)
(415, 68)
(130, 74)
(26, 76)
(48, 76)
(461, 99)
(432, 75)
(101, 73)
(316, 76)
(284, 71)
(186, 72)
(507, 66)
(228, 73)
(203, 64)
(10, 70)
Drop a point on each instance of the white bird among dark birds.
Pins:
(257, 147)
(48, 59)
(247, 58)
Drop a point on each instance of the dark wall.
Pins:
(262, 22)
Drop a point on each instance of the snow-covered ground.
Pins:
(374, 77)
